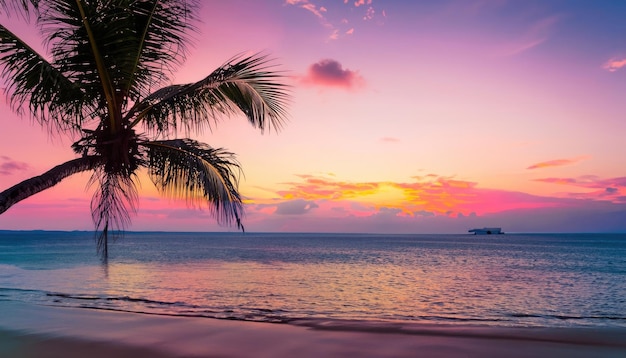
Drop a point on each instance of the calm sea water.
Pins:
(548, 280)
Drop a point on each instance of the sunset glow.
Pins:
(420, 117)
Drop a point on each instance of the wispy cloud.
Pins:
(358, 3)
(309, 6)
(390, 139)
(588, 181)
(9, 166)
(473, 7)
(369, 14)
(340, 25)
(331, 73)
(317, 11)
(614, 64)
(535, 35)
(610, 189)
(557, 163)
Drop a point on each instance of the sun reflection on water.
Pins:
(467, 281)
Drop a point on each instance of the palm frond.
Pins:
(93, 31)
(51, 98)
(34, 185)
(111, 205)
(162, 33)
(243, 85)
(22, 7)
(185, 168)
(118, 49)
(105, 60)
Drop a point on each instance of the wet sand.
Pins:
(43, 332)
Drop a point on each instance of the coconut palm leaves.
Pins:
(243, 85)
(194, 171)
(35, 83)
(105, 82)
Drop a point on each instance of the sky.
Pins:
(405, 117)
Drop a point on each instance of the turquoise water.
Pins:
(547, 280)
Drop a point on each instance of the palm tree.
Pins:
(105, 82)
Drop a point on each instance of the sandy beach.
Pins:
(42, 331)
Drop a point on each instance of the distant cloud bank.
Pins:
(610, 189)
(434, 203)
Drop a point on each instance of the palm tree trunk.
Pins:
(46, 180)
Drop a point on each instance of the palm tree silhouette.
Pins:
(97, 84)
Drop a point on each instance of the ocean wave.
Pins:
(317, 320)
(565, 317)
(113, 298)
(240, 313)
(182, 309)
(580, 335)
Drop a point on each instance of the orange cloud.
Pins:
(426, 195)
(430, 196)
(556, 163)
(560, 181)
(331, 73)
(614, 64)
(314, 188)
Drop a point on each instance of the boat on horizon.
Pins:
(487, 231)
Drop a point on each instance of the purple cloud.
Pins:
(9, 166)
(331, 73)
(295, 207)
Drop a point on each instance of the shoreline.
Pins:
(28, 330)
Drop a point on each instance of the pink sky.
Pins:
(424, 117)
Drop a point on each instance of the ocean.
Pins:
(521, 280)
